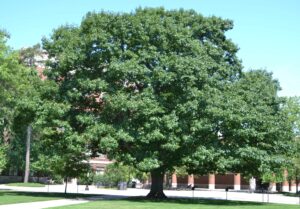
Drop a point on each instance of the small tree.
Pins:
(66, 151)
(117, 172)
(41, 167)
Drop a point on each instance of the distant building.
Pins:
(99, 163)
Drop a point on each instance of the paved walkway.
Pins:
(113, 194)
(42, 204)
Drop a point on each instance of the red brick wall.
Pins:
(182, 180)
(201, 180)
(222, 181)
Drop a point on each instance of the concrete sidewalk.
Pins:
(42, 204)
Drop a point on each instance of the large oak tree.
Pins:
(155, 89)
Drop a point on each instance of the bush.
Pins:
(102, 180)
(57, 179)
(86, 179)
(114, 173)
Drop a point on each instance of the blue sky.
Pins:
(266, 31)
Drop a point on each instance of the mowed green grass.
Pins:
(26, 184)
(176, 204)
(7, 197)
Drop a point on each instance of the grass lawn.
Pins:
(30, 184)
(7, 197)
(176, 204)
(10, 197)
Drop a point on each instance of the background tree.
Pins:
(41, 166)
(154, 89)
(295, 169)
(117, 172)
(8, 67)
(19, 97)
(27, 56)
(2, 157)
(292, 109)
(4, 136)
(66, 151)
(255, 134)
(28, 104)
(114, 174)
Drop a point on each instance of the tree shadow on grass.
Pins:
(50, 194)
(290, 194)
(95, 197)
(197, 201)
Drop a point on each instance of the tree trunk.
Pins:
(157, 180)
(66, 186)
(27, 163)
(6, 136)
(297, 184)
(297, 180)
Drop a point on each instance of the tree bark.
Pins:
(6, 136)
(157, 180)
(27, 163)
(66, 185)
(297, 183)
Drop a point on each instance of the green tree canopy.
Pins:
(20, 92)
(292, 109)
(16, 95)
(66, 153)
(155, 89)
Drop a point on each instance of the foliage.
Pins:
(296, 161)
(255, 134)
(2, 157)
(103, 180)
(141, 176)
(27, 55)
(19, 97)
(181, 171)
(113, 174)
(268, 177)
(159, 89)
(86, 178)
(42, 165)
(8, 67)
(292, 109)
(65, 155)
(137, 90)
(56, 179)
